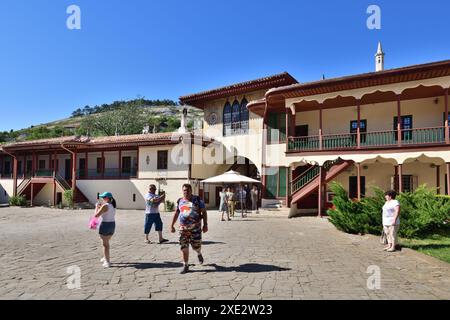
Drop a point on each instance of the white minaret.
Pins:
(379, 58)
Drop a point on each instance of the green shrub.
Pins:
(421, 212)
(68, 196)
(18, 201)
(170, 206)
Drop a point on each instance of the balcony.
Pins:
(369, 140)
(109, 173)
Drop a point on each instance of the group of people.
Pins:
(190, 212)
(193, 219)
(244, 196)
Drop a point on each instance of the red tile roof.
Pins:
(404, 74)
(111, 141)
(277, 80)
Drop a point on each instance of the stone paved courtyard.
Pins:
(264, 256)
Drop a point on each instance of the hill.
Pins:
(125, 117)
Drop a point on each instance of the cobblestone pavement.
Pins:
(264, 256)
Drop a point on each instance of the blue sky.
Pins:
(164, 49)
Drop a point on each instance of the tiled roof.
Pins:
(136, 139)
(404, 74)
(277, 80)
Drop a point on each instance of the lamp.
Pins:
(147, 160)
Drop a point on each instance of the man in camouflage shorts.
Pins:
(191, 211)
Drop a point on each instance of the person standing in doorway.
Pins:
(190, 211)
(106, 210)
(152, 215)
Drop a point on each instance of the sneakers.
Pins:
(106, 264)
(163, 240)
(200, 258)
(102, 259)
(185, 269)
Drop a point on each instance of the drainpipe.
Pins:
(74, 172)
(14, 171)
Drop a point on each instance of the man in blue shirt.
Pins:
(152, 216)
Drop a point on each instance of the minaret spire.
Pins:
(379, 58)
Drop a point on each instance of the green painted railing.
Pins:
(312, 173)
(305, 178)
(378, 139)
(304, 143)
(339, 141)
(44, 173)
(423, 136)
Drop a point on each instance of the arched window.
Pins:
(244, 116)
(236, 117)
(227, 119)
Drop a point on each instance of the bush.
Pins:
(68, 196)
(421, 212)
(170, 206)
(18, 201)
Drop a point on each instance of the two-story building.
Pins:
(386, 129)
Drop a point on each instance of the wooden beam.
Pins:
(399, 122)
(120, 163)
(288, 181)
(358, 130)
(32, 189)
(438, 179)
(447, 134)
(320, 200)
(103, 164)
(86, 168)
(15, 176)
(320, 128)
(448, 178)
(358, 170)
(400, 180)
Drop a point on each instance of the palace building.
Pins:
(386, 129)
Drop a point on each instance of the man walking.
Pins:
(152, 215)
(191, 211)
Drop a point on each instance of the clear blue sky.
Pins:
(164, 49)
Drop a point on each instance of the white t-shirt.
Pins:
(151, 208)
(389, 213)
(110, 215)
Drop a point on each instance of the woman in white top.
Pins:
(107, 211)
(391, 219)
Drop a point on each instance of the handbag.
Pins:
(93, 223)
(383, 238)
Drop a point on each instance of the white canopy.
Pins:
(230, 177)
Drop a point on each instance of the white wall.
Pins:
(45, 196)
(174, 170)
(6, 185)
(123, 190)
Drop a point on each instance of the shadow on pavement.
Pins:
(248, 267)
(147, 265)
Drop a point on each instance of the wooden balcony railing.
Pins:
(376, 139)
